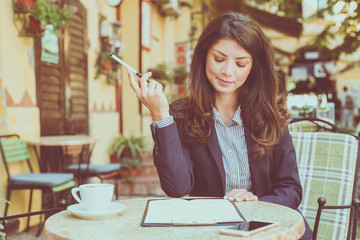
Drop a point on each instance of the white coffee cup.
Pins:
(94, 196)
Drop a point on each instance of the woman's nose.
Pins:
(227, 69)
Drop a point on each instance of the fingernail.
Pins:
(247, 198)
(231, 198)
(237, 199)
(226, 197)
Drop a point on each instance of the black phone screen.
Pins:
(249, 226)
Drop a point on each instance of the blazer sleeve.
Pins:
(284, 176)
(172, 159)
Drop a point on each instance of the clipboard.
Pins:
(189, 222)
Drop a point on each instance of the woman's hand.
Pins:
(151, 95)
(240, 195)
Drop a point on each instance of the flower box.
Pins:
(24, 5)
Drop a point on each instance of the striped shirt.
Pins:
(233, 147)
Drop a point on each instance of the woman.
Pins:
(227, 138)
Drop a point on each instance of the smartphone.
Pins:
(249, 228)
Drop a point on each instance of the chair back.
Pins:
(77, 154)
(72, 150)
(328, 167)
(77, 160)
(14, 149)
(314, 125)
(304, 126)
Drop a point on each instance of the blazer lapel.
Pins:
(214, 148)
(252, 162)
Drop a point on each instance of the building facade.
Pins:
(61, 85)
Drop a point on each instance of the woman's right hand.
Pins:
(240, 195)
(151, 95)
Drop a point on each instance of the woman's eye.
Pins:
(219, 59)
(240, 65)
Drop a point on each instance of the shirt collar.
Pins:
(235, 120)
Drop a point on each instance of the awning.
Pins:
(285, 25)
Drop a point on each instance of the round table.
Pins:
(126, 225)
(62, 146)
(62, 140)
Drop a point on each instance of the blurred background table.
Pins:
(126, 225)
(55, 148)
(62, 140)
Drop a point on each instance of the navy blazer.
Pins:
(197, 169)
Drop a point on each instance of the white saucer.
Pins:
(114, 209)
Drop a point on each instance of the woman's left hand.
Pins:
(240, 195)
(151, 95)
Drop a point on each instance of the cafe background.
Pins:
(65, 84)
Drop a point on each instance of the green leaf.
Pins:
(48, 12)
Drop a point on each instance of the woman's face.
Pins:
(227, 66)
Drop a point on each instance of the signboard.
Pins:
(311, 55)
(49, 46)
(189, 57)
(317, 69)
(183, 56)
(146, 24)
(299, 73)
(180, 56)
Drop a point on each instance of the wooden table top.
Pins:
(126, 225)
(62, 140)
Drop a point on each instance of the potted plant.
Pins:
(157, 72)
(128, 168)
(161, 73)
(35, 28)
(106, 65)
(2, 232)
(180, 74)
(24, 5)
(48, 12)
(127, 152)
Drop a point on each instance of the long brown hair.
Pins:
(263, 111)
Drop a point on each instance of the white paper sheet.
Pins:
(195, 211)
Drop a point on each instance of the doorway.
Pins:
(62, 77)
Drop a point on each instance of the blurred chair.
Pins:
(314, 125)
(303, 126)
(61, 206)
(328, 164)
(14, 149)
(80, 165)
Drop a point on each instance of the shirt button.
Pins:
(235, 176)
(230, 150)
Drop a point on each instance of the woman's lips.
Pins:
(223, 82)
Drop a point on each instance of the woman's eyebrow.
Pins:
(244, 57)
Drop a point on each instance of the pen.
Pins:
(125, 64)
